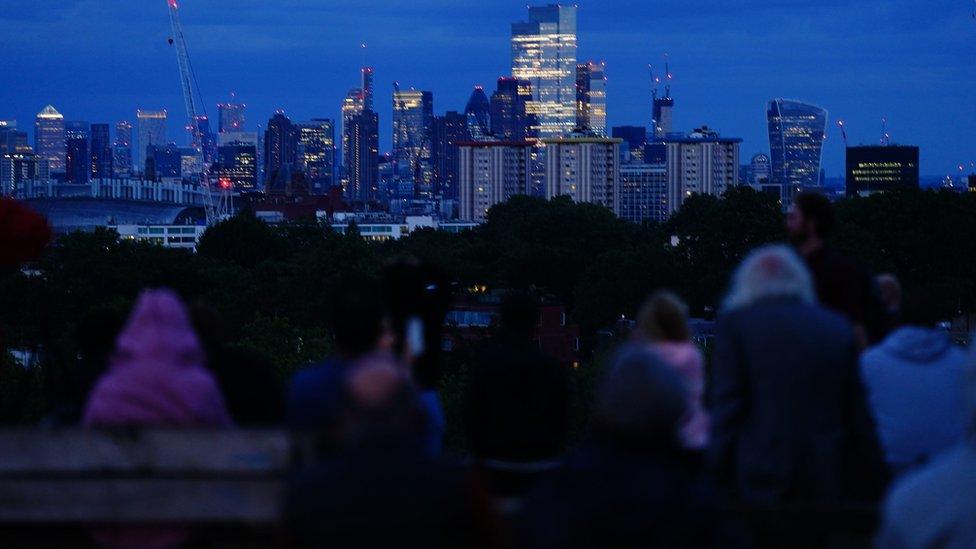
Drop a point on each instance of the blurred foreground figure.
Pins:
(23, 234)
(915, 383)
(663, 325)
(157, 375)
(841, 285)
(936, 507)
(790, 420)
(383, 489)
(630, 485)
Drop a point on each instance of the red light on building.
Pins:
(225, 183)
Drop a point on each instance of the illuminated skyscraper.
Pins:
(78, 154)
(509, 119)
(316, 153)
(280, 152)
(49, 144)
(352, 106)
(122, 149)
(413, 117)
(366, 74)
(591, 98)
(796, 136)
(101, 152)
(231, 116)
(152, 131)
(363, 161)
(237, 163)
(544, 53)
(478, 112)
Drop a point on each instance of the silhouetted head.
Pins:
(811, 217)
(381, 404)
(891, 292)
(519, 315)
(664, 318)
(919, 310)
(357, 318)
(641, 403)
(770, 272)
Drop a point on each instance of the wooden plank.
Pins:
(153, 451)
(149, 501)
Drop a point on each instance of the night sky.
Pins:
(910, 60)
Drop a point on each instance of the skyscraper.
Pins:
(591, 98)
(413, 116)
(583, 167)
(316, 153)
(280, 152)
(101, 152)
(231, 116)
(544, 53)
(796, 136)
(366, 76)
(49, 138)
(879, 168)
(11, 140)
(702, 162)
(122, 153)
(363, 161)
(489, 173)
(16, 167)
(237, 163)
(478, 112)
(449, 130)
(352, 106)
(78, 154)
(509, 119)
(152, 131)
(663, 114)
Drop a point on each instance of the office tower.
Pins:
(509, 118)
(280, 152)
(231, 116)
(880, 168)
(16, 167)
(591, 98)
(237, 165)
(77, 152)
(11, 140)
(584, 168)
(101, 152)
(152, 131)
(413, 116)
(643, 193)
(796, 135)
(164, 162)
(122, 149)
(352, 106)
(316, 154)
(702, 162)
(634, 140)
(478, 112)
(489, 173)
(363, 162)
(366, 76)
(449, 130)
(544, 54)
(663, 114)
(49, 138)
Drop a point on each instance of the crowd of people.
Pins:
(829, 393)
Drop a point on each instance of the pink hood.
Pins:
(157, 375)
(687, 361)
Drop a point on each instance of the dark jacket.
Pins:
(790, 419)
(517, 402)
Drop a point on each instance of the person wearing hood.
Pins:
(914, 380)
(935, 506)
(663, 324)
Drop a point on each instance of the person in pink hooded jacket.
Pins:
(663, 325)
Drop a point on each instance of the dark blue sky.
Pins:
(910, 60)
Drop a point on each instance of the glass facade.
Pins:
(231, 117)
(363, 162)
(508, 118)
(643, 194)
(78, 153)
(316, 153)
(478, 111)
(449, 130)
(122, 149)
(544, 54)
(796, 136)
(237, 164)
(152, 131)
(49, 138)
(591, 98)
(280, 150)
(413, 117)
(101, 152)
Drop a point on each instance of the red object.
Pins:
(23, 234)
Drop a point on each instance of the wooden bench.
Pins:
(64, 481)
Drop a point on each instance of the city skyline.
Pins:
(861, 60)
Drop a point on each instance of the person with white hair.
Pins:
(935, 506)
(790, 419)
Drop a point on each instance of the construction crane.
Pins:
(885, 136)
(198, 123)
(843, 131)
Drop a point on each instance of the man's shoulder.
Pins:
(946, 483)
